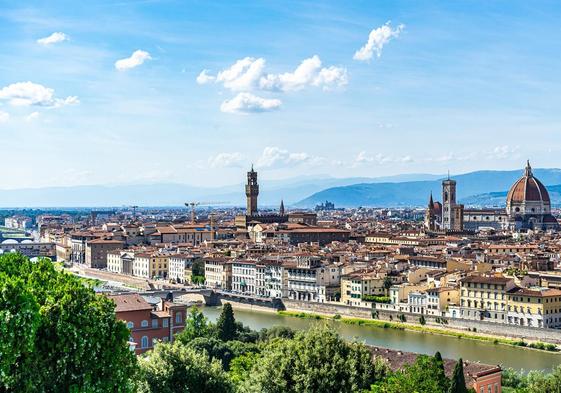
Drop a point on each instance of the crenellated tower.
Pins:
(251, 192)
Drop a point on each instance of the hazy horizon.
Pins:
(193, 93)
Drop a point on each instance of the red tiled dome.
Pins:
(527, 188)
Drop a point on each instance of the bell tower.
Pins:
(251, 192)
(448, 203)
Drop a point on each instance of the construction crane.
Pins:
(194, 204)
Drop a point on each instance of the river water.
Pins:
(449, 347)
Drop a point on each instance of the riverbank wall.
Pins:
(494, 329)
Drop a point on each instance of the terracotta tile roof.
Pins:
(129, 302)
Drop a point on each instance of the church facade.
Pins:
(528, 206)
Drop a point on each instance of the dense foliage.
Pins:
(426, 375)
(178, 368)
(57, 334)
(533, 382)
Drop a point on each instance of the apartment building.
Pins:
(149, 324)
(439, 300)
(270, 279)
(218, 273)
(244, 274)
(97, 249)
(534, 307)
(356, 285)
(310, 280)
(120, 261)
(181, 268)
(485, 298)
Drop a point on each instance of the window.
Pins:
(178, 317)
(144, 342)
(130, 325)
(144, 323)
(154, 323)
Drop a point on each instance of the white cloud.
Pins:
(243, 75)
(29, 93)
(32, 116)
(4, 117)
(308, 73)
(376, 40)
(204, 77)
(505, 151)
(136, 59)
(274, 157)
(226, 160)
(248, 74)
(53, 39)
(364, 158)
(245, 103)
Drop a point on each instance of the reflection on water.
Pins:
(449, 347)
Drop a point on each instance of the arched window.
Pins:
(130, 325)
(178, 317)
(144, 342)
(144, 323)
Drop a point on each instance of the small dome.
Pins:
(527, 189)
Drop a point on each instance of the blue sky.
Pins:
(457, 86)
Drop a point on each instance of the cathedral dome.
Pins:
(527, 189)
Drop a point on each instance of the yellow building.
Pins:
(438, 300)
(355, 285)
(484, 298)
(536, 307)
(150, 265)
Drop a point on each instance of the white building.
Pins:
(271, 279)
(180, 267)
(218, 273)
(244, 274)
(120, 261)
(141, 265)
(309, 280)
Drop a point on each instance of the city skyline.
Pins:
(149, 91)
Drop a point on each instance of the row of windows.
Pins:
(144, 323)
(482, 285)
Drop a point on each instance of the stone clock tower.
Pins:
(251, 192)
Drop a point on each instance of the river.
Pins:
(449, 347)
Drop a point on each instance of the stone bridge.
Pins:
(212, 297)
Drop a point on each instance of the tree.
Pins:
(316, 360)
(420, 377)
(224, 351)
(226, 324)
(276, 332)
(422, 320)
(57, 332)
(440, 373)
(458, 383)
(387, 284)
(196, 325)
(241, 366)
(171, 368)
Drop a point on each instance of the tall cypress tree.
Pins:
(440, 376)
(458, 384)
(226, 324)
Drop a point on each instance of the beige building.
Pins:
(355, 286)
(97, 249)
(485, 298)
(218, 273)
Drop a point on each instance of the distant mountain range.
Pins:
(481, 188)
(171, 194)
